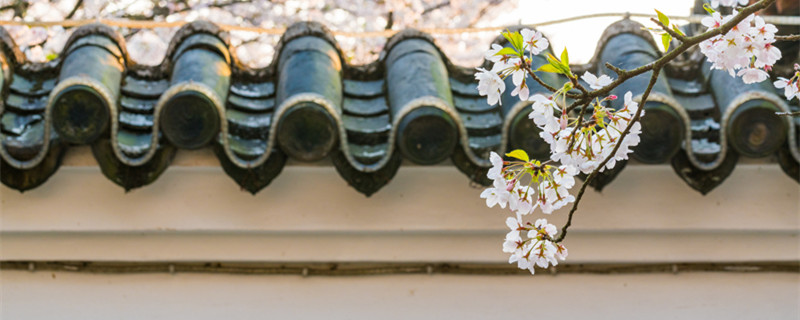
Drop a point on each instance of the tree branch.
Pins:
(789, 114)
(78, 4)
(656, 67)
(793, 37)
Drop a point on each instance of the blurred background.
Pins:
(257, 50)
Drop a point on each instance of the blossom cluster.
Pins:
(577, 143)
(585, 145)
(747, 47)
(508, 62)
(530, 244)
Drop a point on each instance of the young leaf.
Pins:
(552, 59)
(708, 8)
(507, 51)
(665, 39)
(515, 39)
(519, 42)
(548, 68)
(519, 154)
(562, 68)
(677, 30)
(508, 35)
(565, 57)
(662, 18)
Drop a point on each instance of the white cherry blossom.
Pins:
(490, 85)
(491, 54)
(752, 75)
(497, 195)
(534, 40)
(497, 166)
(746, 50)
(790, 89)
(543, 110)
(596, 82)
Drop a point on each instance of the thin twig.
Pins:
(680, 37)
(584, 107)
(527, 67)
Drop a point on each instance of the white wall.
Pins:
(45, 295)
(194, 212)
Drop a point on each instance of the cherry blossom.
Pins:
(497, 166)
(596, 82)
(498, 195)
(752, 75)
(747, 48)
(791, 87)
(490, 85)
(535, 248)
(535, 41)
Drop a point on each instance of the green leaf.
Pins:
(662, 18)
(553, 60)
(562, 68)
(519, 154)
(708, 8)
(515, 39)
(677, 30)
(519, 42)
(565, 57)
(665, 39)
(507, 51)
(507, 35)
(51, 56)
(548, 68)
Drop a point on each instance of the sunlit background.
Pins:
(148, 46)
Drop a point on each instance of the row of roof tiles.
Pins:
(411, 103)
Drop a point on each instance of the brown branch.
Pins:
(78, 4)
(793, 37)
(527, 67)
(669, 31)
(436, 7)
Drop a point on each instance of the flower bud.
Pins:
(510, 185)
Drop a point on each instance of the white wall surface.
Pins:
(194, 212)
(730, 296)
(197, 213)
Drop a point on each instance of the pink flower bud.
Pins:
(510, 185)
(612, 97)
